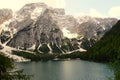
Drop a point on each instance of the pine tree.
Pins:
(8, 70)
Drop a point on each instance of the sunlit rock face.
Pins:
(43, 30)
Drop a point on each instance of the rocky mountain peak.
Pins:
(36, 33)
(32, 10)
(30, 13)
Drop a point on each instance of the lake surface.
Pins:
(66, 70)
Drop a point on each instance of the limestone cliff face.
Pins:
(42, 31)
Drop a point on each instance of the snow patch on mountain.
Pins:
(49, 48)
(36, 12)
(7, 52)
(68, 34)
(32, 48)
(4, 26)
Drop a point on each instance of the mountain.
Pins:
(39, 28)
(108, 48)
(43, 31)
(93, 29)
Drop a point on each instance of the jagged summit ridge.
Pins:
(32, 10)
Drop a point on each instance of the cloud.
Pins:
(92, 12)
(55, 3)
(95, 13)
(17, 4)
(114, 11)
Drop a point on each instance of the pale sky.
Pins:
(94, 8)
(17, 4)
